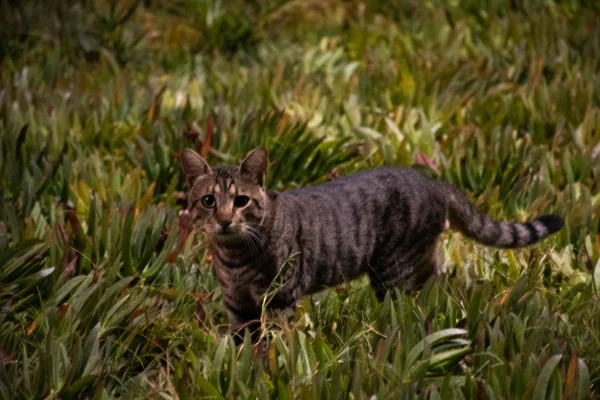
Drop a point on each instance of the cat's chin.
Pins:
(226, 237)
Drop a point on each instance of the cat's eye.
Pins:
(240, 201)
(208, 201)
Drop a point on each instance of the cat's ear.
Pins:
(193, 165)
(254, 166)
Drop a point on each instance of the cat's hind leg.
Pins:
(430, 264)
(384, 279)
(410, 273)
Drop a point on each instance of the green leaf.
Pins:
(431, 340)
(583, 389)
(6, 388)
(516, 292)
(441, 361)
(541, 386)
(217, 364)
(284, 391)
(126, 242)
(384, 346)
(597, 277)
(78, 386)
(113, 290)
(208, 389)
(245, 362)
(85, 356)
(70, 286)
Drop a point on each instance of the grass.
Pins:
(103, 295)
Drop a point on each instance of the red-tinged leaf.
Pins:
(6, 359)
(136, 314)
(164, 234)
(176, 156)
(200, 312)
(32, 328)
(333, 175)
(207, 139)
(191, 134)
(200, 297)
(422, 159)
(203, 295)
(134, 281)
(571, 378)
(172, 257)
(428, 327)
(481, 393)
(260, 349)
(66, 258)
(272, 359)
(183, 231)
(73, 220)
(185, 223)
(154, 109)
(62, 234)
(182, 237)
(63, 309)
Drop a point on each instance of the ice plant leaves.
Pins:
(102, 289)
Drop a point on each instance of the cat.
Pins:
(383, 222)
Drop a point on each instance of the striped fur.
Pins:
(383, 222)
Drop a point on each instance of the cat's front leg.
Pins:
(242, 320)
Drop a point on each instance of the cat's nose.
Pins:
(225, 225)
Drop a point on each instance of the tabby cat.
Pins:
(382, 222)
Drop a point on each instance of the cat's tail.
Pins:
(466, 218)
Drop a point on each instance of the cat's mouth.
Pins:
(227, 237)
(226, 234)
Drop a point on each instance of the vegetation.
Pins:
(103, 294)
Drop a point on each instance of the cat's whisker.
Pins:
(257, 233)
(257, 240)
(249, 243)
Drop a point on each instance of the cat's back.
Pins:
(370, 182)
(341, 227)
(370, 198)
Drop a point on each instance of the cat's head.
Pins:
(226, 202)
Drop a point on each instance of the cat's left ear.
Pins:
(254, 166)
(193, 165)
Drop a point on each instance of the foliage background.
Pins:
(103, 295)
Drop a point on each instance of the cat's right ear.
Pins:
(193, 166)
(254, 166)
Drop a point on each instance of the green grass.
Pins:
(103, 296)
